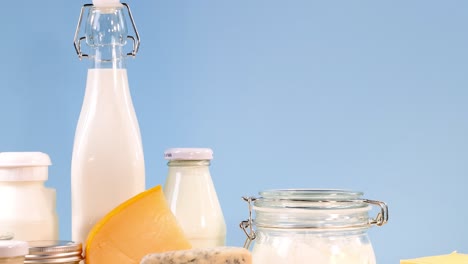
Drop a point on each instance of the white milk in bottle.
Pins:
(192, 197)
(107, 163)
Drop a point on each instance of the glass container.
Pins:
(305, 226)
(192, 197)
(108, 149)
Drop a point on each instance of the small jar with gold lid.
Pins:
(57, 252)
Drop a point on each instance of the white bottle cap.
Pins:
(24, 166)
(24, 159)
(106, 3)
(13, 248)
(188, 154)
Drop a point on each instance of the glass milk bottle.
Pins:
(192, 197)
(107, 163)
(304, 226)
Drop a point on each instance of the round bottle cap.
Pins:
(24, 166)
(53, 252)
(188, 154)
(24, 159)
(13, 248)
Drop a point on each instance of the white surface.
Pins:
(107, 164)
(13, 248)
(193, 200)
(188, 154)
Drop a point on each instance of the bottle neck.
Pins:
(106, 35)
(108, 57)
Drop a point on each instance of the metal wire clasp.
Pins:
(382, 217)
(77, 40)
(248, 224)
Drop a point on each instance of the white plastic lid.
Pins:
(106, 3)
(24, 159)
(188, 154)
(24, 166)
(13, 248)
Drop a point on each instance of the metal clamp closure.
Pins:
(77, 40)
(382, 217)
(248, 224)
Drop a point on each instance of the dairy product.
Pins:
(144, 224)
(217, 255)
(108, 163)
(453, 258)
(303, 226)
(296, 250)
(28, 207)
(192, 197)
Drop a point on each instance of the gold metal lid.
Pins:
(51, 251)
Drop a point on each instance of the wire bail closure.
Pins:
(382, 217)
(247, 225)
(77, 40)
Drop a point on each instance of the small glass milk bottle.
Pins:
(192, 197)
(107, 164)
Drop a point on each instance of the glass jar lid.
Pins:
(54, 252)
(310, 199)
(311, 209)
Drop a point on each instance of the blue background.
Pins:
(363, 95)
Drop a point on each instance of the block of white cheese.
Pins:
(216, 255)
(453, 258)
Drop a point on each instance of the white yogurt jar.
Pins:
(303, 226)
(30, 213)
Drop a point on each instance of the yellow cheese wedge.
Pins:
(454, 258)
(144, 224)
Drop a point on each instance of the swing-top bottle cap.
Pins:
(106, 3)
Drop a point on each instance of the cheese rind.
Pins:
(453, 258)
(216, 255)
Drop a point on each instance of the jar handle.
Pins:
(247, 225)
(382, 217)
